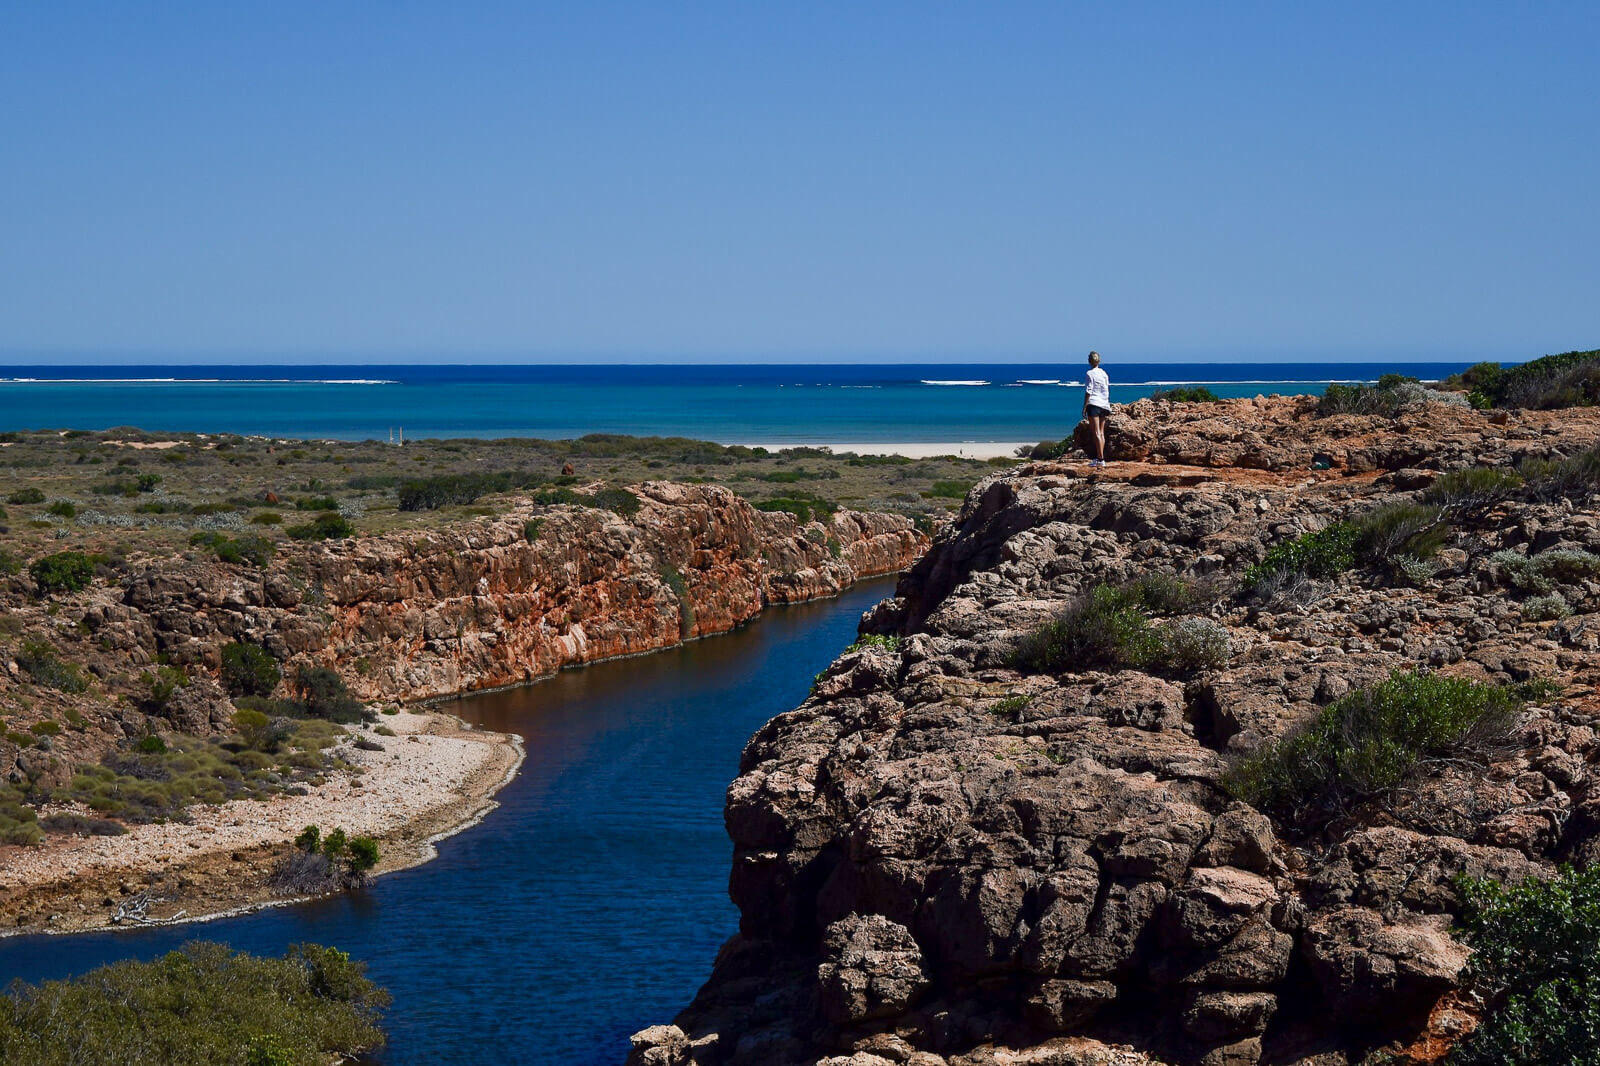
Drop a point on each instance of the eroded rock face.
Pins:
(1058, 852)
(414, 615)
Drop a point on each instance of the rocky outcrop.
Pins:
(419, 614)
(415, 615)
(940, 859)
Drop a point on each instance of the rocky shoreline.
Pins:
(943, 858)
(402, 618)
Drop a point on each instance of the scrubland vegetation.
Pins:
(203, 1005)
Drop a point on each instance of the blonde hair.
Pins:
(1094, 358)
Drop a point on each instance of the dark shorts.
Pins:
(1096, 411)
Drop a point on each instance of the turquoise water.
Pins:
(592, 902)
(731, 404)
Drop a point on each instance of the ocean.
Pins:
(770, 404)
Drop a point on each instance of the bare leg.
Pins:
(1098, 425)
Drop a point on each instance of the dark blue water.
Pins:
(592, 902)
(767, 404)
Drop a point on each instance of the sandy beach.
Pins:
(433, 777)
(968, 449)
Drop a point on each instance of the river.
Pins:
(592, 901)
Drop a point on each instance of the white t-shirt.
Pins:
(1099, 387)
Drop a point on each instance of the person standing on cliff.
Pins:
(1097, 407)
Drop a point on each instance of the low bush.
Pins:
(198, 1006)
(1370, 742)
(323, 694)
(1186, 394)
(1575, 476)
(1399, 528)
(39, 661)
(249, 670)
(803, 505)
(875, 640)
(1111, 626)
(1051, 449)
(1385, 397)
(446, 490)
(1571, 379)
(10, 565)
(949, 490)
(1547, 571)
(1323, 553)
(322, 864)
(1472, 489)
(144, 784)
(29, 495)
(67, 571)
(248, 550)
(1535, 967)
(63, 509)
(81, 825)
(161, 684)
(620, 501)
(19, 822)
(1545, 608)
(327, 526)
(531, 528)
(673, 579)
(316, 503)
(266, 518)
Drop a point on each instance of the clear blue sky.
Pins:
(752, 181)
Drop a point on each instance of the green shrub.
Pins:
(1547, 571)
(46, 728)
(151, 745)
(1575, 476)
(875, 640)
(323, 694)
(949, 490)
(531, 528)
(10, 565)
(40, 662)
(1545, 608)
(67, 571)
(25, 496)
(363, 854)
(1571, 379)
(328, 526)
(1341, 399)
(803, 505)
(266, 518)
(198, 1006)
(248, 550)
(19, 823)
(1323, 553)
(1186, 394)
(621, 501)
(162, 684)
(1393, 529)
(316, 503)
(446, 490)
(1471, 489)
(1536, 968)
(1191, 645)
(249, 670)
(63, 509)
(680, 589)
(1371, 741)
(1051, 449)
(1110, 626)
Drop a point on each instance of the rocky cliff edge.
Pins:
(939, 858)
